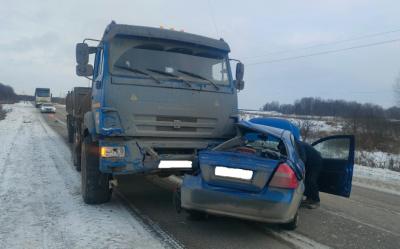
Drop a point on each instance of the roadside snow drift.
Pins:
(40, 200)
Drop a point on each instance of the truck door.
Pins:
(338, 161)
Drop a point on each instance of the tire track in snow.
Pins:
(41, 211)
(167, 240)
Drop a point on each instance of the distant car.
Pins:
(258, 175)
(47, 107)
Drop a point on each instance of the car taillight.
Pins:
(284, 177)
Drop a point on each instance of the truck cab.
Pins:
(157, 97)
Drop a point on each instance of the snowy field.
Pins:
(40, 201)
(319, 124)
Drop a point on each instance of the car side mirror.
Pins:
(239, 83)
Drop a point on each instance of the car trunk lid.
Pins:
(232, 170)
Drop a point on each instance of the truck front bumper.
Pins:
(138, 160)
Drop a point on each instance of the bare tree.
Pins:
(396, 88)
(308, 128)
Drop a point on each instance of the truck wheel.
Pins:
(70, 129)
(292, 225)
(95, 185)
(76, 151)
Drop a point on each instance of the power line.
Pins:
(324, 52)
(325, 44)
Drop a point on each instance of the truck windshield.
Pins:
(43, 93)
(175, 60)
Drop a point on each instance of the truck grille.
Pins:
(150, 123)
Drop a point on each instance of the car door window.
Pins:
(337, 148)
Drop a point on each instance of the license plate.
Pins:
(242, 174)
(174, 164)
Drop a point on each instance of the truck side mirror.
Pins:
(82, 53)
(84, 70)
(239, 83)
(82, 58)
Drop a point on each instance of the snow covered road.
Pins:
(40, 201)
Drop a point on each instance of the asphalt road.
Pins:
(368, 219)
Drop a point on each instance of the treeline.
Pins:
(7, 94)
(334, 108)
(375, 128)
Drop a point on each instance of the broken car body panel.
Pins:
(337, 154)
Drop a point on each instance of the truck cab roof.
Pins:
(114, 30)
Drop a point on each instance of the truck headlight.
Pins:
(112, 151)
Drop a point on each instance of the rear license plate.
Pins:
(175, 164)
(242, 174)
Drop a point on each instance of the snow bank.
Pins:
(40, 200)
(378, 159)
(379, 179)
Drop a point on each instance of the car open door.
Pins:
(338, 161)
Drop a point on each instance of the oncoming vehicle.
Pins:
(47, 107)
(42, 95)
(259, 176)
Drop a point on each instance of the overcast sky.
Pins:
(37, 43)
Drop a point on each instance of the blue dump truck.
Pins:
(165, 102)
(42, 95)
(158, 97)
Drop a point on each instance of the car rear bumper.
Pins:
(272, 205)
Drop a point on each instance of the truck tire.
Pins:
(70, 129)
(95, 184)
(76, 151)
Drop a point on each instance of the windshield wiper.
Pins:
(199, 77)
(169, 74)
(135, 70)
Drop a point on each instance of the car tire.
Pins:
(196, 215)
(95, 184)
(292, 225)
(76, 151)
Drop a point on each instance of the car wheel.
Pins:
(196, 215)
(176, 200)
(292, 225)
(95, 184)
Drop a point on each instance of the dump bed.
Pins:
(81, 101)
(69, 102)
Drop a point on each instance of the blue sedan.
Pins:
(258, 175)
